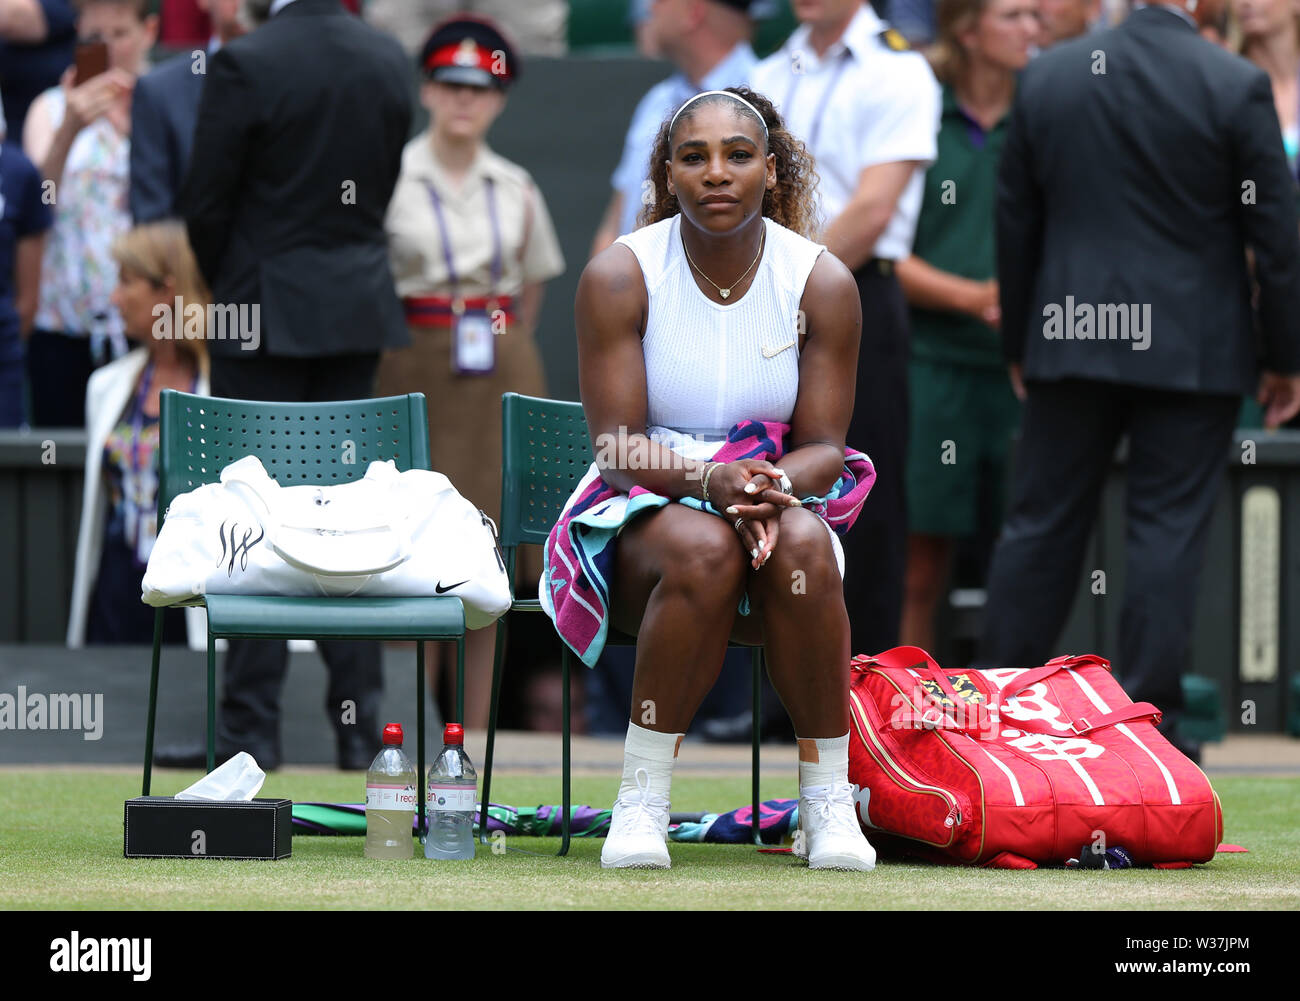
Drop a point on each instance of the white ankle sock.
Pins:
(832, 764)
(656, 753)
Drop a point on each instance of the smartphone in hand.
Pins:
(91, 60)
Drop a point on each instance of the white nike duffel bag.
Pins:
(388, 534)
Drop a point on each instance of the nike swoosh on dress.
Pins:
(773, 352)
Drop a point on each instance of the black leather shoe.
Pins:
(725, 730)
(1171, 730)
(196, 756)
(355, 752)
(736, 729)
(357, 745)
(1190, 748)
(355, 761)
(181, 756)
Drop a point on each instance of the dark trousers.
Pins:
(11, 393)
(1178, 447)
(875, 549)
(252, 376)
(255, 669)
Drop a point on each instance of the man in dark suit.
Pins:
(297, 150)
(1141, 164)
(164, 109)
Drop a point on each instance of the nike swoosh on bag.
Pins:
(443, 590)
(773, 352)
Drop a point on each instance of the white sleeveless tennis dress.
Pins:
(710, 365)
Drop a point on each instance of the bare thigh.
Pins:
(674, 543)
(680, 540)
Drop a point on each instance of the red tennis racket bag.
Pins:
(1005, 767)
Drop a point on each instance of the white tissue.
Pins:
(239, 778)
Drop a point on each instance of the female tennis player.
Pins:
(717, 311)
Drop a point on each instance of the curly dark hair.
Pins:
(792, 203)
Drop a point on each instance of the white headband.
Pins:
(724, 93)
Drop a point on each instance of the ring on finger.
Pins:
(739, 522)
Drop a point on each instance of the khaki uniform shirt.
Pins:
(530, 251)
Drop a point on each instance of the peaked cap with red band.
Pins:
(469, 50)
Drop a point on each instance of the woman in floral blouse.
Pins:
(78, 134)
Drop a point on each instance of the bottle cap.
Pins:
(453, 733)
(393, 734)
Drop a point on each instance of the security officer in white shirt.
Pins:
(868, 110)
(709, 42)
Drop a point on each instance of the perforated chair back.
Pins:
(298, 443)
(546, 450)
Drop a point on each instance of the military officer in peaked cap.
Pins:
(471, 245)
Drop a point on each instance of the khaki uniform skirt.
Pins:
(465, 414)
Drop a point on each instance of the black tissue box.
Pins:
(166, 827)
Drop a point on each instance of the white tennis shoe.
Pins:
(829, 834)
(638, 830)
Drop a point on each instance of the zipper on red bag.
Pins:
(876, 747)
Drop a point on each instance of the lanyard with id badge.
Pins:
(840, 62)
(140, 478)
(473, 347)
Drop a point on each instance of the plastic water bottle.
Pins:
(390, 800)
(453, 790)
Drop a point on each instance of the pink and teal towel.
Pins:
(579, 552)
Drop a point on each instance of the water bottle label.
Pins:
(381, 796)
(458, 798)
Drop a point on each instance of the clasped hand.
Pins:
(748, 492)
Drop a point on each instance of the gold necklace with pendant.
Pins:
(724, 292)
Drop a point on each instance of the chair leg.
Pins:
(212, 701)
(756, 730)
(460, 679)
(153, 700)
(419, 731)
(565, 804)
(497, 660)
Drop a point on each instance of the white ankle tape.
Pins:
(653, 745)
(832, 764)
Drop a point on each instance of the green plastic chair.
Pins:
(546, 451)
(324, 443)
